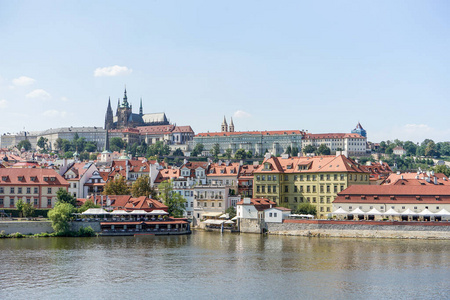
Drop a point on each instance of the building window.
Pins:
(19, 190)
(321, 188)
(36, 190)
(263, 177)
(274, 215)
(263, 189)
(212, 204)
(49, 201)
(321, 176)
(342, 188)
(220, 204)
(328, 200)
(314, 177)
(328, 188)
(328, 176)
(11, 202)
(11, 190)
(286, 189)
(321, 199)
(49, 190)
(349, 176)
(2, 190)
(335, 177)
(285, 199)
(257, 188)
(257, 177)
(274, 188)
(205, 204)
(342, 176)
(308, 177)
(295, 199)
(335, 188)
(314, 188)
(28, 190)
(269, 178)
(301, 177)
(270, 215)
(1, 201)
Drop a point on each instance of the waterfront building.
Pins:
(379, 171)
(290, 181)
(77, 176)
(129, 169)
(402, 200)
(276, 214)
(245, 180)
(210, 200)
(35, 186)
(95, 184)
(224, 173)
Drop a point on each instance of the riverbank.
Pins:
(362, 229)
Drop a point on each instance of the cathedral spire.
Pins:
(141, 112)
(125, 98)
(109, 116)
(231, 128)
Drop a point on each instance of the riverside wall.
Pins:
(361, 229)
(26, 227)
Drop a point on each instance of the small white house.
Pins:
(399, 151)
(276, 214)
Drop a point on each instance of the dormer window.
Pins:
(20, 178)
(45, 178)
(267, 166)
(52, 178)
(33, 178)
(4, 178)
(392, 198)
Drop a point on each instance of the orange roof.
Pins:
(416, 179)
(31, 176)
(259, 203)
(398, 194)
(231, 169)
(145, 203)
(326, 163)
(279, 132)
(318, 136)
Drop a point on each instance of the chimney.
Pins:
(401, 177)
(246, 200)
(435, 180)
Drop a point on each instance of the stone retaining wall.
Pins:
(26, 227)
(75, 226)
(417, 230)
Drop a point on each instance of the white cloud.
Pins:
(3, 103)
(54, 113)
(65, 99)
(112, 71)
(23, 81)
(241, 114)
(39, 93)
(411, 132)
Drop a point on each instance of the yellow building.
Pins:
(290, 181)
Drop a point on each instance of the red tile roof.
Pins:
(259, 203)
(390, 194)
(326, 163)
(278, 132)
(319, 136)
(31, 176)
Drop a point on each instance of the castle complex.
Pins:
(125, 118)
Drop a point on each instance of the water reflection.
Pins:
(206, 265)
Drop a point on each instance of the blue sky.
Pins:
(321, 66)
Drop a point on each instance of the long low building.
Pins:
(35, 186)
(394, 198)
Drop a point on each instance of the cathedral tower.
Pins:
(231, 128)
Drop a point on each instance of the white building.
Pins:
(276, 214)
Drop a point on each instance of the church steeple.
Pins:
(118, 105)
(125, 98)
(141, 111)
(109, 116)
(231, 128)
(224, 125)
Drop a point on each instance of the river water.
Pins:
(208, 265)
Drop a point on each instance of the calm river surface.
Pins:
(214, 266)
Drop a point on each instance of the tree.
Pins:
(249, 154)
(307, 209)
(86, 205)
(240, 154)
(59, 143)
(63, 196)
(215, 151)
(294, 151)
(309, 149)
(68, 154)
(42, 143)
(442, 169)
(158, 148)
(19, 206)
(288, 150)
(178, 152)
(116, 186)
(116, 144)
(141, 187)
(174, 201)
(84, 156)
(198, 149)
(231, 211)
(90, 147)
(66, 145)
(93, 156)
(228, 153)
(24, 144)
(27, 210)
(60, 216)
(323, 150)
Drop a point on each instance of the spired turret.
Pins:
(231, 128)
(109, 116)
(224, 125)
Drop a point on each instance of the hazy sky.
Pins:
(321, 66)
